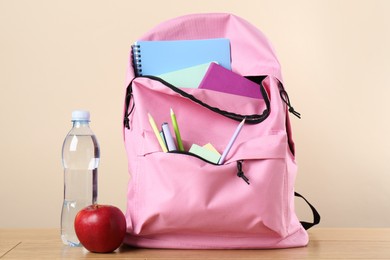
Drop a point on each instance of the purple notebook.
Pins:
(223, 80)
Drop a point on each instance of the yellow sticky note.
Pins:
(211, 148)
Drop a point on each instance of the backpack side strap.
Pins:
(316, 215)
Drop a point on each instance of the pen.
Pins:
(230, 144)
(157, 133)
(177, 131)
(168, 137)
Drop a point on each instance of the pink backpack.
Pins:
(177, 199)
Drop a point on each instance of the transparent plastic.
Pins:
(80, 159)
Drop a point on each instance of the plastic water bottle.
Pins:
(80, 158)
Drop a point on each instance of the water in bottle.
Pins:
(80, 159)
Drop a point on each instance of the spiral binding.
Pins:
(136, 59)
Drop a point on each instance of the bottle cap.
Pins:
(80, 115)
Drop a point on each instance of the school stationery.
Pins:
(157, 133)
(231, 142)
(186, 78)
(210, 147)
(218, 78)
(205, 153)
(168, 137)
(177, 131)
(158, 57)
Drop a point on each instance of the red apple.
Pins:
(100, 228)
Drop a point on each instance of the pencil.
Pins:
(157, 133)
(232, 140)
(177, 131)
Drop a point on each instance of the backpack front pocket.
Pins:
(180, 194)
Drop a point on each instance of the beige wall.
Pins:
(59, 55)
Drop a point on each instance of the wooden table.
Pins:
(325, 243)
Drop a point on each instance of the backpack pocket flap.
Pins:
(261, 147)
(164, 96)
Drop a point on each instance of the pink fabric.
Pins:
(180, 201)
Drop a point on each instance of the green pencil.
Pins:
(177, 131)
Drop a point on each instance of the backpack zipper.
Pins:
(128, 99)
(250, 119)
(286, 100)
(240, 173)
(194, 155)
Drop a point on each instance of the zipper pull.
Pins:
(126, 120)
(286, 99)
(240, 173)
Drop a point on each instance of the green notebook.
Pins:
(188, 77)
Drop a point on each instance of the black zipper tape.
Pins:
(194, 155)
(240, 172)
(249, 119)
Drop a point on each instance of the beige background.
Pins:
(56, 56)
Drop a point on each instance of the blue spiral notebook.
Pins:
(158, 57)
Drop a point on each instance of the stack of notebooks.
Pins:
(203, 64)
